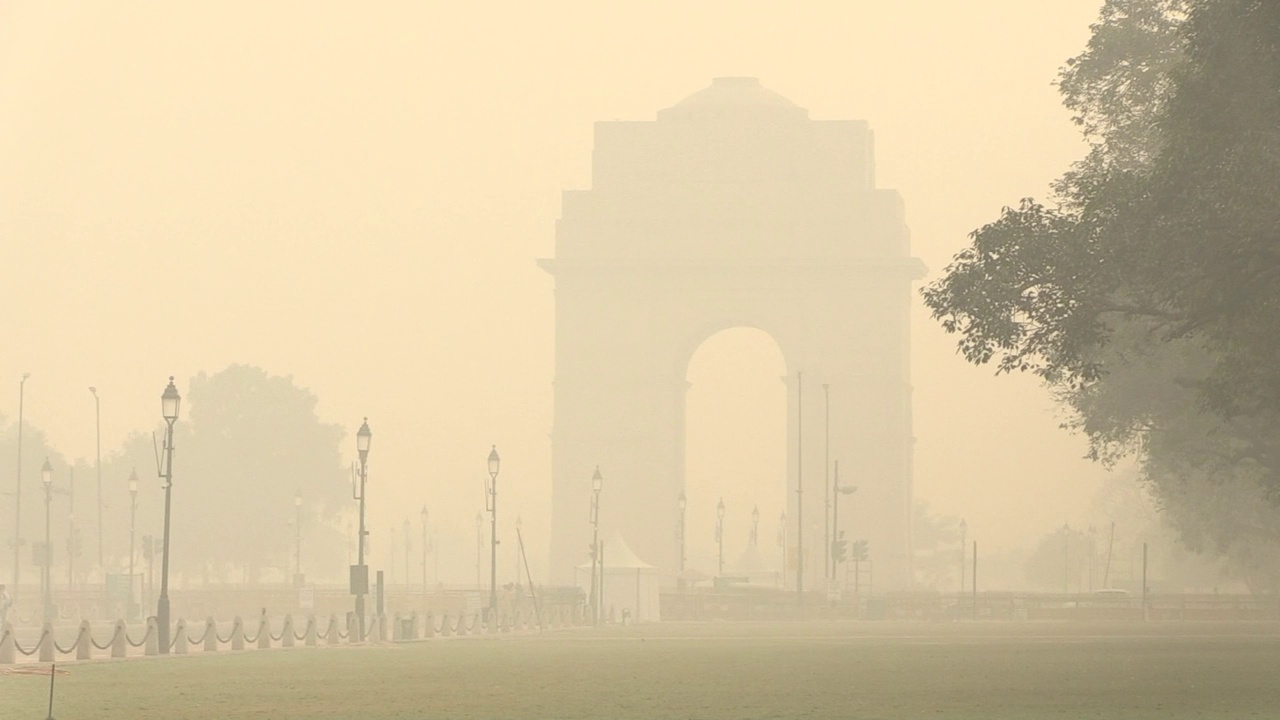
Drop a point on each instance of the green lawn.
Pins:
(722, 670)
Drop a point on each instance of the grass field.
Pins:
(722, 670)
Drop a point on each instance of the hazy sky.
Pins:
(355, 193)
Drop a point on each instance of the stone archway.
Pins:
(732, 209)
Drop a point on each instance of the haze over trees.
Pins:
(1145, 292)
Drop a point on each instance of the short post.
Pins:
(264, 633)
(210, 635)
(118, 647)
(83, 641)
(331, 637)
(151, 646)
(7, 652)
(286, 633)
(311, 631)
(237, 634)
(180, 637)
(46, 642)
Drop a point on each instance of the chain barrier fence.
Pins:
(337, 631)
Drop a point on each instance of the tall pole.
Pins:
(17, 494)
(835, 492)
(828, 530)
(493, 531)
(975, 579)
(71, 528)
(162, 606)
(97, 424)
(425, 547)
(720, 534)
(46, 580)
(297, 539)
(799, 488)
(1066, 559)
(597, 565)
(964, 529)
(133, 519)
(408, 553)
(364, 437)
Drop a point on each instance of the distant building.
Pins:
(732, 209)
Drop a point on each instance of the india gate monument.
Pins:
(732, 209)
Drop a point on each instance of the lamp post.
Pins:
(425, 547)
(492, 497)
(1093, 553)
(755, 526)
(97, 425)
(720, 533)
(46, 582)
(360, 573)
(17, 494)
(597, 482)
(682, 503)
(297, 539)
(133, 518)
(964, 530)
(170, 401)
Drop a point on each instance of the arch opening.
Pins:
(736, 449)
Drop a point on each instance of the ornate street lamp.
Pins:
(170, 401)
(720, 532)
(46, 580)
(597, 569)
(492, 497)
(360, 572)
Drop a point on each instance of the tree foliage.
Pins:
(1147, 293)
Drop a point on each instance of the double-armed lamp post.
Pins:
(169, 404)
(360, 572)
(491, 497)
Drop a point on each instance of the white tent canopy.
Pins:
(630, 584)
